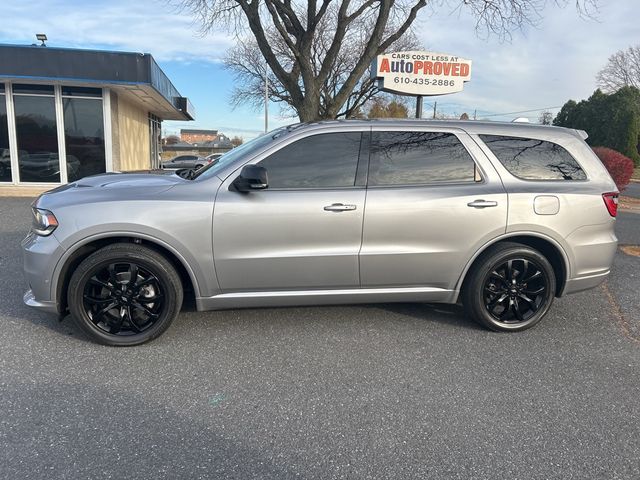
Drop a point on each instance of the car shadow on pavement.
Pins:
(446, 314)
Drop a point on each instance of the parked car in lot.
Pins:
(185, 161)
(213, 157)
(504, 217)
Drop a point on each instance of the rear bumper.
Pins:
(574, 285)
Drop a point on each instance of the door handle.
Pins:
(339, 207)
(482, 204)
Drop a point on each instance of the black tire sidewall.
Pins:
(146, 258)
(474, 299)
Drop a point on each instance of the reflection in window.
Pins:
(84, 137)
(37, 138)
(418, 158)
(5, 157)
(532, 159)
(320, 161)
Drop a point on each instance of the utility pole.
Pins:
(266, 97)
(435, 104)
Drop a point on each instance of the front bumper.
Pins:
(40, 257)
(29, 300)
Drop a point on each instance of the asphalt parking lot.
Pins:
(374, 391)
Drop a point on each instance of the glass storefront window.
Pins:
(5, 157)
(36, 132)
(84, 136)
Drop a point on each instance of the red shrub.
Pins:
(620, 167)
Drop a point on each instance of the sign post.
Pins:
(420, 74)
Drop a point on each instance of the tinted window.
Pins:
(36, 130)
(84, 137)
(5, 157)
(418, 158)
(532, 159)
(33, 89)
(81, 92)
(321, 161)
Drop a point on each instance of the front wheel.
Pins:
(510, 288)
(124, 294)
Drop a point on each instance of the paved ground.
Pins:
(632, 190)
(386, 391)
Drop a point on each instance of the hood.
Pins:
(145, 182)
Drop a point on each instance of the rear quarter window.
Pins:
(531, 159)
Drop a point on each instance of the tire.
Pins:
(509, 288)
(115, 307)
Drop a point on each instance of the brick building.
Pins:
(193, 136)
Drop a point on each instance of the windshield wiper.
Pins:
(186, 173)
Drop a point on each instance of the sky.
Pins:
(541, 66)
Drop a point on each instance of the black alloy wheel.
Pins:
(124, 294)
(123, 298)
(510, 287)
(515, 290)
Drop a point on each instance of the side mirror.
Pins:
(252, 177)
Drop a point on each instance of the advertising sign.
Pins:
(421, 73)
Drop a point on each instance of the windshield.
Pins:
(232, 155)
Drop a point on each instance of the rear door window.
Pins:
(531, 159)
(419, 158)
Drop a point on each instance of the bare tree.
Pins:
(622, 69)
(381, 107)
(545, 118)
(249, 87)
(288, 35)
(171, 140)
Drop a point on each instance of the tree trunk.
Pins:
(309, 109)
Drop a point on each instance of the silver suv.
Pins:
(503, 217)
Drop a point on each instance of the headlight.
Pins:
(44, 222)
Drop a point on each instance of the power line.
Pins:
(521, 111)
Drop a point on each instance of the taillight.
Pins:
(611, 202)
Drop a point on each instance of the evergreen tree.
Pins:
(611, 120)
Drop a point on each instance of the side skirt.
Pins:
(325, 297)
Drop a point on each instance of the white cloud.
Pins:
(151, 26)
(542, 66)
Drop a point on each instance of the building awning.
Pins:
(134, 75)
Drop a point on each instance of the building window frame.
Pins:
(108, 139)
(13, 139)
(60, 132)
(62, 146)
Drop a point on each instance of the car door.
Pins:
(433, 200)
(185, 161)
(304, 231)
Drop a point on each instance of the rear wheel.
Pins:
(124, 294)
(509, 288)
